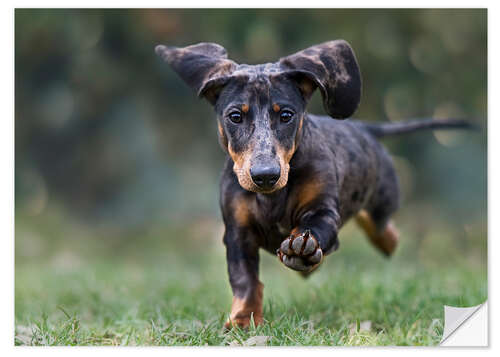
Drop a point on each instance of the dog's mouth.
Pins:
(246, 183)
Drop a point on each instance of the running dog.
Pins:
(291, 179)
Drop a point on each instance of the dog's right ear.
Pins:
(204, 67)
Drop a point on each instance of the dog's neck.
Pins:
(269, 200)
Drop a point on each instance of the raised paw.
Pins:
(300, 252)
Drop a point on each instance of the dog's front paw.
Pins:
(300, 252)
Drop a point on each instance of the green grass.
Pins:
(155, 291)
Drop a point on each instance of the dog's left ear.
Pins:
(332, 67)
(204, 66)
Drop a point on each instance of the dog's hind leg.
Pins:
(375, 218)
(385, 239)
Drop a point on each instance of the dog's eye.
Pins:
(235, 117)
(286, 116)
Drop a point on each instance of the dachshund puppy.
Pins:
(292, 179)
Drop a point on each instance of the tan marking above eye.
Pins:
(245, 108)
(276, 108)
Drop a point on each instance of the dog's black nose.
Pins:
(265, 176)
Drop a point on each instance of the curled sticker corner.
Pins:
(455, 317)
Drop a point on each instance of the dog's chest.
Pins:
(274, 235)
(273, 220)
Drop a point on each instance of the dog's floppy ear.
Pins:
(204, 66)
(333, 68)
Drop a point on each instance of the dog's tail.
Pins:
(388, 129)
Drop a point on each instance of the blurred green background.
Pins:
(117, 160)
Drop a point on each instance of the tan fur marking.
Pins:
(365, 222)
(284, 157)
(276, 108)
(221, 130)
(222, 136)
(308, 192)
(241, 211)
(241, 167)
(242, 310)
(300, 125)
(237, 157)
(299, 133)
(385, 241)
(245, 108)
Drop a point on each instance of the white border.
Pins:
(252, 4)
(7, 181)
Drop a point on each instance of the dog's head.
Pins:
(261, 108)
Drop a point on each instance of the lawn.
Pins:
(158, 289)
